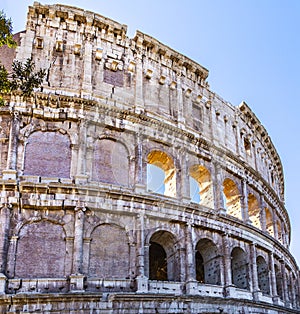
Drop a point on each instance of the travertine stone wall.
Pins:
(79, 216)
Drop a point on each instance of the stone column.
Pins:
(218, 189)
(81, 176)
(86, 254)
(78, 239)
(87, 68)
(284, 283)
(139, 99)
(273, 278)
(12, 255)
(227, 265)
(4, 239)
(255, 288)
(244, 201)
(141, 279)
(77, 278)
(191, 282)
(140, 171)
(181, 120)
(185, 177)
(69, 253)
(11, 172)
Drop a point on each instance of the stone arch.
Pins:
(163, 257)
(269, 222)
(164, 162)
(48, 154)
(110, 162)
(41, 250)
(240, 268)
(263, 275)
(109, 241)
(232, 198)
(254, 211)
(207, 262)
(205, 187)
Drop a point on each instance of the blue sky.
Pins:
(250, 47)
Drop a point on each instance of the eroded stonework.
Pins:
(128, 186)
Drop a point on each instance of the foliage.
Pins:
(22, 78)
(6, 37)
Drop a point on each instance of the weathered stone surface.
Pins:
(87, 227)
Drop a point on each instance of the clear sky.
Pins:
(250, 47)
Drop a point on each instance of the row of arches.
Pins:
(42, 250)
(49, 154)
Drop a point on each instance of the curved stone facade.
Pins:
(128, 186)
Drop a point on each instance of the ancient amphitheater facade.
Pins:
(128, 186)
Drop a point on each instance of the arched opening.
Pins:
(48, 154)
(254, 211)
(232, 198)
(263, 275)
(109, 241)
(41, 251)
(239, 268)
(163, 257)
(158, 268)
(279, 281)
(207, 262)
(110, 162)
(203, 191)
(167, 184)
(269, 222)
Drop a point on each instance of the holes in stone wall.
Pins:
(263, 275)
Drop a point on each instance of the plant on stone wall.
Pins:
(23, 78)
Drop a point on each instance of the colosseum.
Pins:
(128, 186)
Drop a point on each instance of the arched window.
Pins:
(41, 251)
(232, 198)
(48, 154)
(109, 252)
(167, 184)
(269, 222)
(207, 262)
(201, 188)
(263, 275)
(239, 268)
(110, 162)
(254, 211)
(163, 257)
